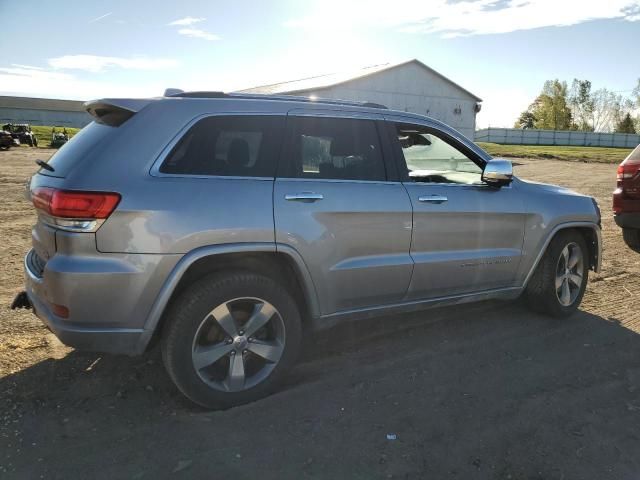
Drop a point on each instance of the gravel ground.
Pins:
(481, 391)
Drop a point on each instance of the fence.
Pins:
(516, 136)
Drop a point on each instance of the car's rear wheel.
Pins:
(559, 282)
(230, 339)
(631, 237)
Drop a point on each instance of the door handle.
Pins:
(433, 199)
(303, 197)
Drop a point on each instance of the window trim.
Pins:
(154, 171)
(401, 164)
(284, 164)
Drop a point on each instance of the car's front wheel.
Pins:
(560, 279)
(230, 339)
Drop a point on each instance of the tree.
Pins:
(526, 120)
(636, 103)
(551, 108)
(626, 125)
(581, 104)
(636, 94)
(608, 110)
(581, 109)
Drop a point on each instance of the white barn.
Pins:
(410, 86)
(43, 111)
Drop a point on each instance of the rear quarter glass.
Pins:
(77, 149)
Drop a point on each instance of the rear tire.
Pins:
(553, 289)
(230, 339)
(631, 237)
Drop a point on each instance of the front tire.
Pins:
(230, 339)
(631, 237)
(560, 279)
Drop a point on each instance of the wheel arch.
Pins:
(592, 235)
(283, 264)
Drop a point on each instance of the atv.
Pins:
(58, 139)
(6, 140)
(21, 132)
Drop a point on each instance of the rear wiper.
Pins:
(45, 165)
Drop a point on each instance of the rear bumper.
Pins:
(628, 220)
(108, 340)
(107, 307)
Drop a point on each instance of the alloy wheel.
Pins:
(569, 271)
(238, 344)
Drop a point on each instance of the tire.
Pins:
(194, 329)
(631, 237)
(542, 293)
(35, 142)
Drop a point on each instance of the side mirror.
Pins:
(497, 172)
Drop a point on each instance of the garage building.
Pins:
(410, 86)
(43, 111)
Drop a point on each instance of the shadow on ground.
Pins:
(482, 391)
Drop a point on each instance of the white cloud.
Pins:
(187, 21)
(53, 84)
(197, 33)
(95, 63)
(17, 73)
(28, 67)
(97, 19)
(465, 17)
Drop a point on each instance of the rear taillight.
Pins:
(74, 210)
(628, 169)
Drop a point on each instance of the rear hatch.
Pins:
(61, 208)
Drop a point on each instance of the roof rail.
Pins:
(289, 98)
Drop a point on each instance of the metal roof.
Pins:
(330, 80)
(41, 104)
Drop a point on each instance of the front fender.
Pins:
(527, 270)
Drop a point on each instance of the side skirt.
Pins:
(328, 321)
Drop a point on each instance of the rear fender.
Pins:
(173, 280)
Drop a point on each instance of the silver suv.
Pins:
(228, 226)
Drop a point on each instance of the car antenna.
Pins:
(45, 165)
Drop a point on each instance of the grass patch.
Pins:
(43, 134)
(585, 154)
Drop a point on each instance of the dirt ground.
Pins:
(483, 391)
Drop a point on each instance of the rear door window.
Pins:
(333, 148)
(238, 146)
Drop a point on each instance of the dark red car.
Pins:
(626, 199)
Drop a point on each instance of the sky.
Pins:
(501, 50)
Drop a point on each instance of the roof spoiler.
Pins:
(115, 111)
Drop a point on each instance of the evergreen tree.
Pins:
(626, 125)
